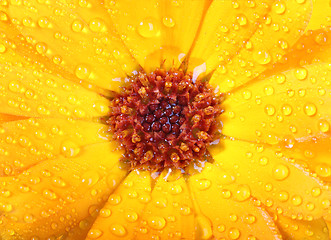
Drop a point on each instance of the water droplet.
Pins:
(323, 170)
(296, 200)
(77, 25)
(118, 230)
(270, 110)
(204, 229)
(280, 172)
(131, 217)
(247, 94)
(105, 212)
(149, 28)
(287, 109)
(283, 196)
(234, 233)
(168, 22)
(310, 109)
(269, 90)
(90, 178)
(49, 194)
(101, 107)
(95, 233)
(301, 73)
(262, 57)
(324, 125)
(242, 20)
(157, 223)
(316, 192)
(2, 48)
(203, 184)
(82, 71)
(69, 148)
(279, 7)
(242, 193)
(97, 25)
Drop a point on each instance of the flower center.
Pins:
(164, 119)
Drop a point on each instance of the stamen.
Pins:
(164, 119)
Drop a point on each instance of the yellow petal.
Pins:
(274, 179)
(76, 36)
(27, 142)
(158, 33)
(226, 26)
(54, 196)
(321, 15)
(312, 47)
(292, 229)
(169, 214)
(29, 92)
(277, 32)
(314, 154)
(290, 105)
(228, 211)
(120, 216)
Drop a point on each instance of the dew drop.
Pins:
(2, 48)
(301, 73)
(204, 227)
(280, 172)
(90, 178)
(157, 223)
(296, 200)
(279, 7)
(82, 71)
(77, 26)
(262, 57)
(203, 184)
(287, 109)
(283, 196)
(69, 148)
(97, 25)
(131, 217)
(242, 193)
(310, 109)
(95, 233)
(148, 28)
(270, 110)
(118, 230)
(324, 126)
(168, 22)
(323, 170)
(234, 233)
(105, 212)
(49, 194)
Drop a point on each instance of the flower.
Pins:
(61, 62)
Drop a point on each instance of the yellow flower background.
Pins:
(62, 60)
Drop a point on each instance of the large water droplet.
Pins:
(69, 148)
(149, 28)
(280, 172)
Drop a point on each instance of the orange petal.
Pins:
(54, 196)
(274, 179)
(227, 211)
(292, 229)
(27, 142)
(169, 214)
(293, 104)
(321, 15)
(277, 32)
(156, 31)
(120, 216)
(77, 36)
(8, 118)
(33, 93)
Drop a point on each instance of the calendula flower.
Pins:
(165, 119)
